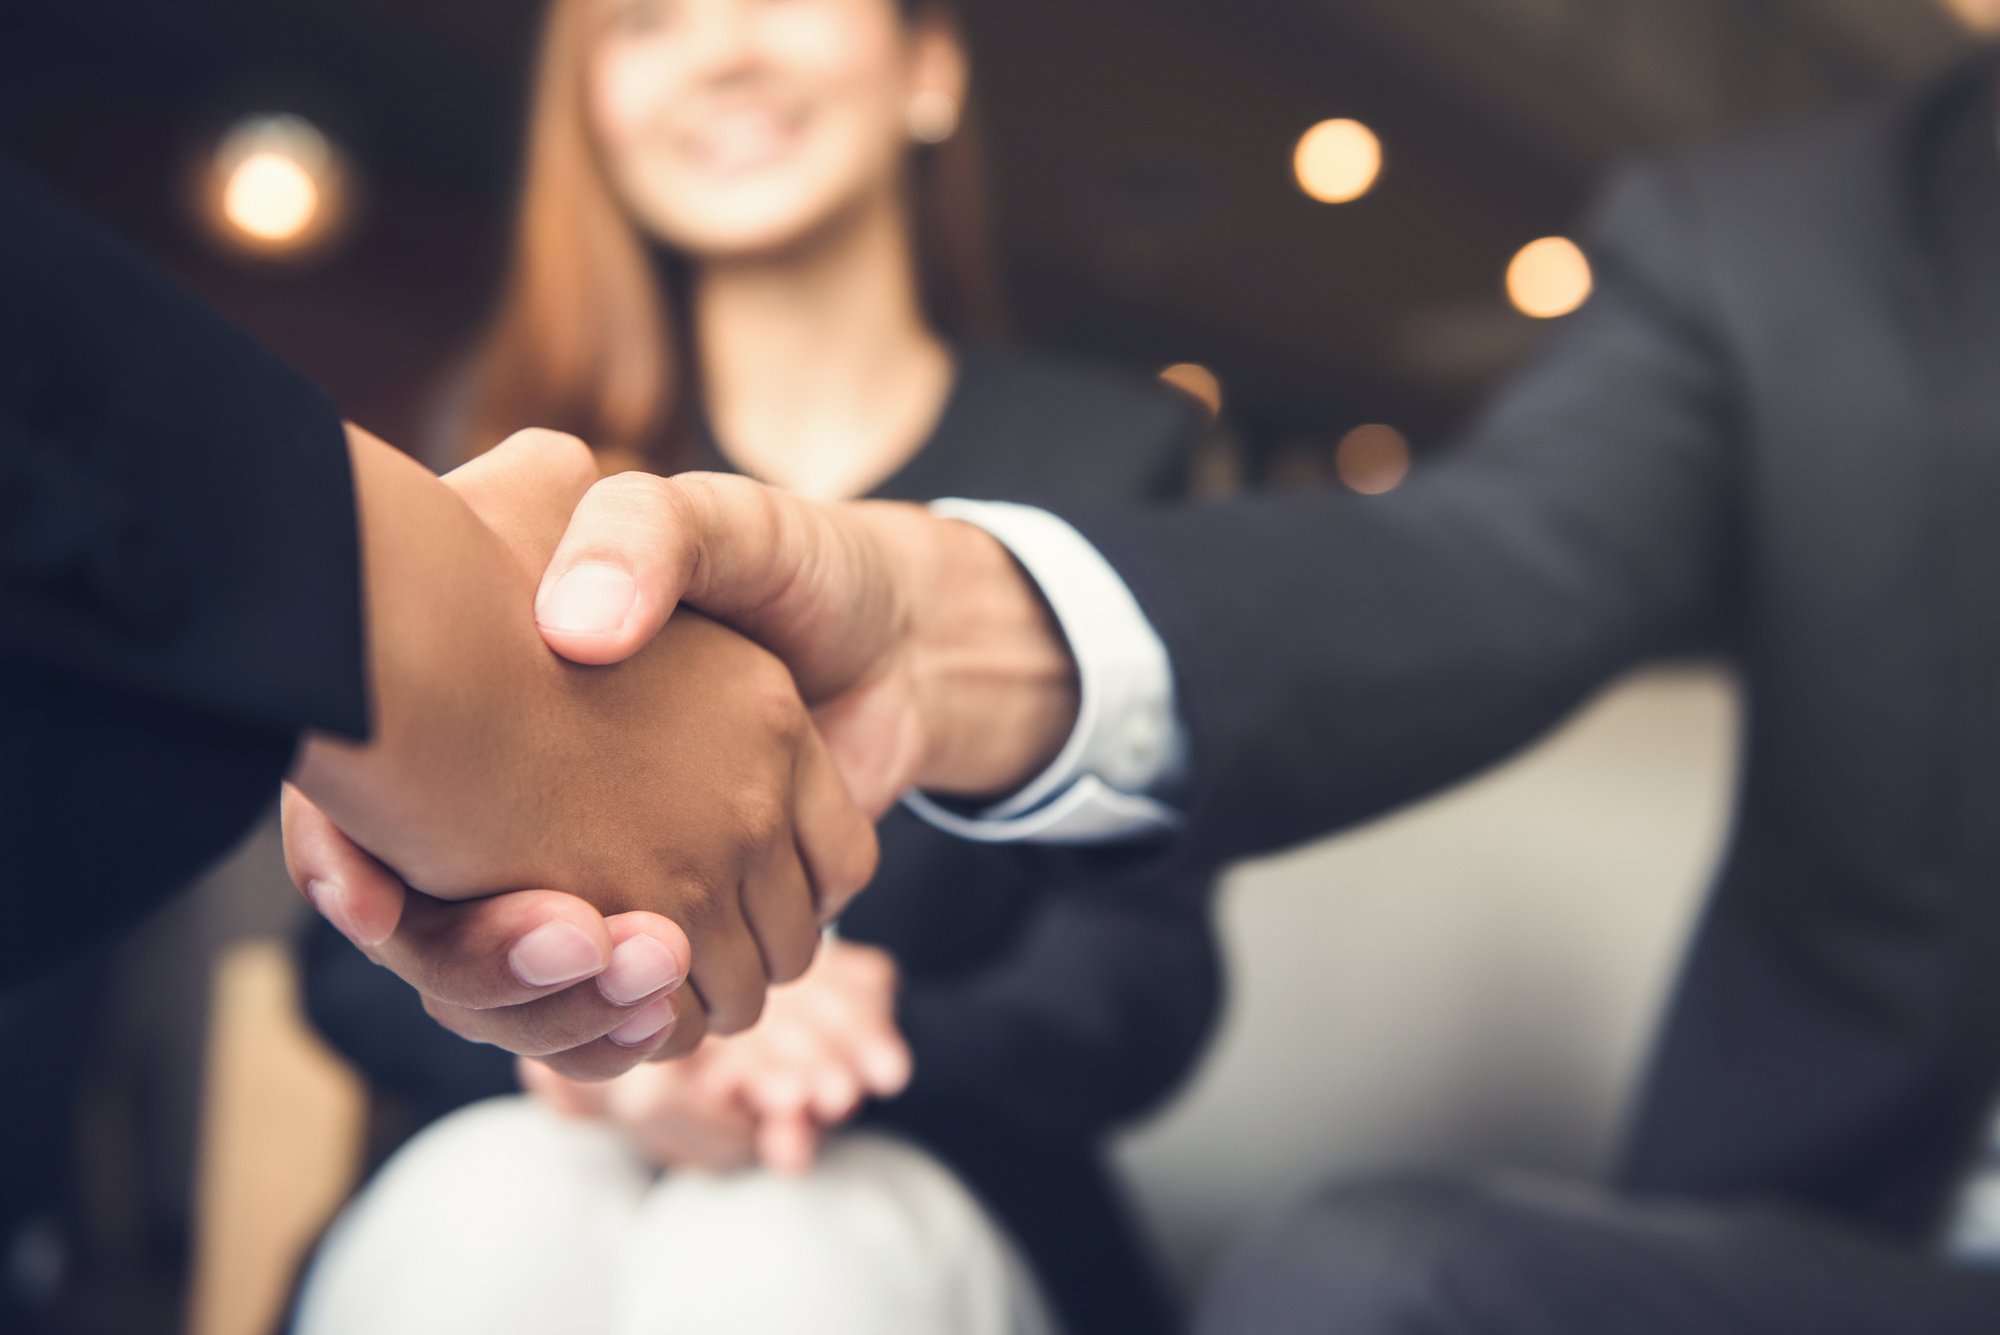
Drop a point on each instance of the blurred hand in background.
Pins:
(825, 1045)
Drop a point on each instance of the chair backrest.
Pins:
(1471, 981)
(282, 1123)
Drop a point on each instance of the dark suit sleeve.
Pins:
(1336, 655)
(179, 592)
(1095, 1015)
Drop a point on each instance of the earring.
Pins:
(933, 117)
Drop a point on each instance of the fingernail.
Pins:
(590, 599)
(646, 1024)
(553, 954)
(639, 968)
(330, 899)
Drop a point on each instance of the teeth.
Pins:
(740, 140)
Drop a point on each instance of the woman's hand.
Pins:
(825, 1044)
(675, 1114)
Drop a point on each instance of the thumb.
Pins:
(352, 890)
(811, 583)
(638, 544)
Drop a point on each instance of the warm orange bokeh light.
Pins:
(1197, 382)
(276, 188)
(1549, 278)
(270, 198)
(1372, 459)
(1337, 161)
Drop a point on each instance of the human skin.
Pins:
(768, 148)
(693, 788)
(825, 1043)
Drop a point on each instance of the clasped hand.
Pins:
(680, 786)
(682, 801)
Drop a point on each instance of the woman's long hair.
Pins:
(590, 334)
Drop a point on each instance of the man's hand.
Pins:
(688, 782)
(928, 656)
(536, 972)
(824, 1045)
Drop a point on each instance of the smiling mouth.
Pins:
(742, 141)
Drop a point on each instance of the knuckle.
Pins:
(684, 1037)
(595, 1062)
(709, 503)
(772, 700)
(849, 870)
(740, 495)
(699, 483)
(768, 682)
(705, 491)
(634, 492)
(759, 816)
(681, 498)
(738, 1013)
(699, 907)
(556, 449)
(539, 1041)
(789, 959)
(636, 482)
(629, 492)
(450, 1018)
(864, 858)
(547, 1028)
(527, 1041)
(547, 440)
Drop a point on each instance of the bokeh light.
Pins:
(276, 188)
(1549, 278)
(270, 198)
(1372, 459)
(1197, 382)
(1337, 161)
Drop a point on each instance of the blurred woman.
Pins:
(750, 238)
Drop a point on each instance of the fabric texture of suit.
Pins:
(179, 585)
(1775, 427)
(1042, 1009)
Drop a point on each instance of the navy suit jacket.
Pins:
(179, 594)
(1775, 426)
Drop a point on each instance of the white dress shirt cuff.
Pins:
(1128, 742)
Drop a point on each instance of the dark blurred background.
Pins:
(1148, 213)
(1141, 155)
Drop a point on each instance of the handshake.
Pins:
(594, 835)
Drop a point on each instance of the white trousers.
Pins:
(506, 1218)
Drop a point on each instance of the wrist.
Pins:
(996, 685)
(436, 585)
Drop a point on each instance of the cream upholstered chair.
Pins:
(1470, 982)
(281, 1135)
